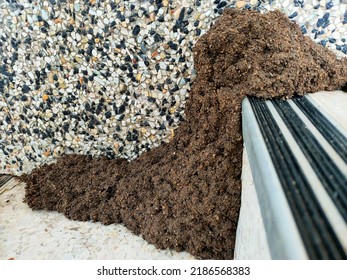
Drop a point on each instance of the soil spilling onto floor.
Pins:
(185, 194)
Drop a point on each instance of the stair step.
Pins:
(298, 159)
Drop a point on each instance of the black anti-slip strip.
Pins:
(335, 138)
(4, 179)
(316, 232)
(334, 182)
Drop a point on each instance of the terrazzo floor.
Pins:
(37, 235)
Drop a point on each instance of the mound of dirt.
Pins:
(185, 194)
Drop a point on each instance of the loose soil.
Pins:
(185, 195)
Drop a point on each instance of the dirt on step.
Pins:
(185, 195)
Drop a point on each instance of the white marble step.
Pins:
(297, 152)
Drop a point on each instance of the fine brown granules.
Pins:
(185, 195)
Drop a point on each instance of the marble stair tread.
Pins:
(297, 153)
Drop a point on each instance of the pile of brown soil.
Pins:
(185, 195)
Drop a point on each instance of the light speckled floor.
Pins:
(27, 234)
